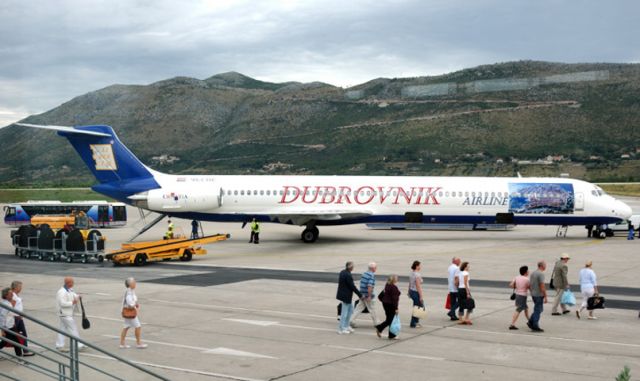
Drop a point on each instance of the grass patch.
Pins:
(61, 194)
(622, 189)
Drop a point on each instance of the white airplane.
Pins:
(313, 201)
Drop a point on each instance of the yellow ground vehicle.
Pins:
(139, 253)
(55, 222)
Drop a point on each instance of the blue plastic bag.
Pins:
(395, 326)
(568, 298)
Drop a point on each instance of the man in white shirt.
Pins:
(66, 302)
(16, 287)
(453, 270)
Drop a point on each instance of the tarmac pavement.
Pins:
(268, 311)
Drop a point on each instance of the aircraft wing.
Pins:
(302, 216)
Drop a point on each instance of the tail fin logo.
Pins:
(103, 157)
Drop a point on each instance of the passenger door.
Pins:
(103, 214)
(579, 202)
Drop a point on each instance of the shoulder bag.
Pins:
(551, 287)
(86, 324)
(128, 312)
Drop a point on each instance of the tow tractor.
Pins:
(139, 253)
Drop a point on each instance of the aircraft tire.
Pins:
(310, 235)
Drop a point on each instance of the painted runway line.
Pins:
(216, 351)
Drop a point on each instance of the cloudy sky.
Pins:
(51, 51)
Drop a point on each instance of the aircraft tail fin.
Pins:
(110, 161)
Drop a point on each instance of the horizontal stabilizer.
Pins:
(65, 129)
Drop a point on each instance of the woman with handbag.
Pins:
(415, 292)
(520, 285)
(130, 309)
(588, 287)
(464, 294)
(390, 299)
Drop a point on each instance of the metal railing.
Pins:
(60, 365)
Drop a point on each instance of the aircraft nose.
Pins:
(623, 209)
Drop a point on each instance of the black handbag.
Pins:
(381, 295)
(595, 302)
(513, 294)
(469, 304)
(86, 324)
(551, 286)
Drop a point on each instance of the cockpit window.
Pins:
(597, 192)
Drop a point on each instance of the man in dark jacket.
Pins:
(346, 288)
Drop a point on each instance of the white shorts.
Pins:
(132, 323)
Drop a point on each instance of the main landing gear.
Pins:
(310, 234)
(600, 232)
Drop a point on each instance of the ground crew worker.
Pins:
(255, 232)
(194, 229)
(631, 231)
(81, 220)
(169, 233)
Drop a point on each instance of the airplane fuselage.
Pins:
(336, 200)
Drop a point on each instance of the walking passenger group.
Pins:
(459, 301)
(67, 300)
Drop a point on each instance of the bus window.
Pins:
(119, 213)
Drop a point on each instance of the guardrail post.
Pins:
(62, 372)
(74, 366)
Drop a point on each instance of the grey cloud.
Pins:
(52, 51)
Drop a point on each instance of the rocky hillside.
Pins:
(536, 118)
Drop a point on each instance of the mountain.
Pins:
(536, 118)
